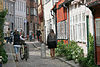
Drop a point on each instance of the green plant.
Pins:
(2, 51)
(74, 51)
(71, 51)
(61, 49)
(89, 60)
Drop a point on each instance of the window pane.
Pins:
(83, 31)
(98, 32)
(32, 11)
(79, 17)
(46, 1)
(79, 31)
(35, 12)
(61, 30)
(27, 10)
(83, 16)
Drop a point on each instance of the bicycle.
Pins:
(23, 51)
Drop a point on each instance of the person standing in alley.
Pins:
(8, 35)
(52, 43)
(16, 43)
(11, 37)
(30, 35)
(38, 34)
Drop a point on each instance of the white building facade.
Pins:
(48, 18)
(78, 24)
(10, 17)
(20, 15)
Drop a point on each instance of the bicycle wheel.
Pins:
(21, 53)
(26, 53)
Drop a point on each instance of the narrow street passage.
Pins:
(35, 60)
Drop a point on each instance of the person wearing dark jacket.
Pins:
(38, 34)
(52, 43)
(16, 43)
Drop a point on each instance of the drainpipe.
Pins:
(87, 22)
(55, 23)
(67, 22)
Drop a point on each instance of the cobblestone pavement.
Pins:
(10, 52)
(35, 60)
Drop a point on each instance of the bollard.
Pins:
(43, 50)
(0, 61)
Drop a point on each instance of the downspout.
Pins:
(87, 22)
(67, 21)
(55, 22)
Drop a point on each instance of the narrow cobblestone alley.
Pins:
(34, 60)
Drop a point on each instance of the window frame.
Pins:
(97, 19)
(77, 34)
(27, 12)
(32, 11)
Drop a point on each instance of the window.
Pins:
(71, 32)
(76, 19)
(78, 27)
(83, 31)
(80, 32)
(79, 17)
(35, 12)
(73, 19)
(98, 32)
(24, 7)
(36, 1)
(83, 16)
(54, 1)
(50, 26)
(18, 5)
(46, 1)
(27, 10)
(75, 32)
(32, 11)
(61, 30)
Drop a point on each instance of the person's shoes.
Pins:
(53, 58)
(16, 60)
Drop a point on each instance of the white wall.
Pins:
(49, 21)
(78, 26)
